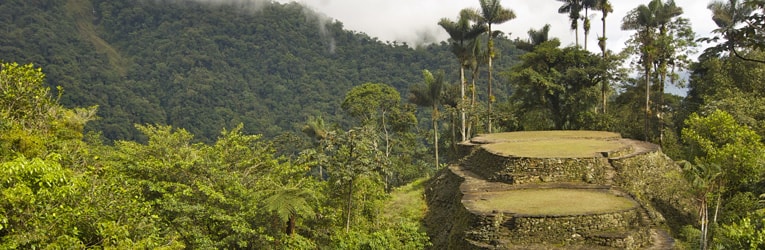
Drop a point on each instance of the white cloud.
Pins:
(404, 20)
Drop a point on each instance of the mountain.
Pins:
(204, 67)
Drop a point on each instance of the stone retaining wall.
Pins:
(523, 170)
(559, 229)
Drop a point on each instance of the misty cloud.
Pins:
(311, 15)
(413, 21)
(321, 21)
(249, 5)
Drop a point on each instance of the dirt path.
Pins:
(661, 240)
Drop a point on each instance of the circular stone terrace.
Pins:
(550, 199)
(552, 144)
(528, 210)
(553, 202)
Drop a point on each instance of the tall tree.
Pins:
(702, 178)
(732, 150)
(674, 42)
(728, 15)
(491, 13)
(573, 8)
(463, 35)
(559, 83)
(480, 58)
(429, 94)
(605, 7)
(536, 37)
(643, 20)
(587, 5)
(373, 103)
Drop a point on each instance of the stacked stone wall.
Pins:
(523, 170)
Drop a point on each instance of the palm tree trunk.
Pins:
(435, 132)
(604, 84)
(490, 48)
(472, 122)
(660, 110)
(291, 225)
(463, 83)
(647, 100)
(576, 33)
(586, 27)
(454, 133)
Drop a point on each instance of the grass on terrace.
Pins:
(551, 202)
(560, 148)
(546, 135)
(407, 202)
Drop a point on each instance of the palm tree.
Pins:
(480, 58)
(704, 179)
(665, 14)
(573, 9)
(643, 20)
(491, 12)
(463, 35)
(605, 7)
(429, 94)
(316, 129)
(536, 37)
(289, 202)
(587, 5)
(727, 15)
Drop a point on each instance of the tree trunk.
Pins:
(647, 101)
(704, 224)
(350, 186)
(435, 132)
(454, 133)
(350, 206)
(576, 34)
(602, 44)
(586, 27)
(717, 206)
(490, 48)
(463, 83)
(472, 122)
(660, 110)
(291, 225)
(387, 150)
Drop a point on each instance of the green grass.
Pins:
(559, 148)
(551, 202)
(546, 135)
(407, 202)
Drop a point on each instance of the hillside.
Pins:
(203, 67)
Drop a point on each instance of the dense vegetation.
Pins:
(202, 67)
(139, 130)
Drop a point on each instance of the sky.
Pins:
(412, 20)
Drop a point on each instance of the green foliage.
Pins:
(729, 17)
(24, 96)
(36, 193)
(732, 85)
(747, 233)
(728, 163)
(191, 65)
(202, 194)
(717, 139)
(369, 101)
(557, 85)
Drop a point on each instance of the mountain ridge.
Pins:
(206, 67)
